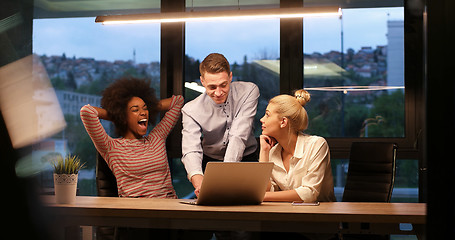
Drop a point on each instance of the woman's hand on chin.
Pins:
(266, 142)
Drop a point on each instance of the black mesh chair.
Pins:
(106, 186)
(370, 178)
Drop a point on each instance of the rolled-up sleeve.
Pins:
(312, 181)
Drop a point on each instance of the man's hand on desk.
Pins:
(196, 180)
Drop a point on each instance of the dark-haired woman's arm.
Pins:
(171, 117)
(164, 104)
(102, 113)
(90, 119)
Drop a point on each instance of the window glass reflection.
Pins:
(355, 73)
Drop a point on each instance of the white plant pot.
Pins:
(65, 186)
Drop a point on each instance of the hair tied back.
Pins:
(302, 97)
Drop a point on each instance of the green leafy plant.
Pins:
(68, 165)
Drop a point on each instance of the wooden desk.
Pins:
(364, 218)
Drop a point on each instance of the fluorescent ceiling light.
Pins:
(346, 89)
(246, 14)
(194, 86)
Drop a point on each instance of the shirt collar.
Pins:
(299, 145)
(298, 152)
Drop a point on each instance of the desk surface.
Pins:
(87, 207)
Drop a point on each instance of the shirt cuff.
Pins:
(193, 165)
(190, 175)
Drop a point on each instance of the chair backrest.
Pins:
(371, 172)
(106, 184)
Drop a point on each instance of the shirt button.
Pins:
(227, 116)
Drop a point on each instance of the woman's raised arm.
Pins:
(102, 113)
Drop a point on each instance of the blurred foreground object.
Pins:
(28, 102)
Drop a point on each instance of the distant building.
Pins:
(72, 102)
(395, 53)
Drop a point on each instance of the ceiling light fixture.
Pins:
(240, 14)
(346, 89)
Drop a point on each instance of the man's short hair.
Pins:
(214, 63)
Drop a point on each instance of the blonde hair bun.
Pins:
(287, 106)
(302, 96)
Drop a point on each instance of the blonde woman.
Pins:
(302, 170)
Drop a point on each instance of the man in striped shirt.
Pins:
(138, 160)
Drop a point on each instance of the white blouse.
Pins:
(310, 171)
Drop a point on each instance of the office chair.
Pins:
(370, 178)
(371, 172)
(106, 186)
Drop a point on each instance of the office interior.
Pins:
(429, 101)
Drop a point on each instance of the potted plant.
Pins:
(65, 178)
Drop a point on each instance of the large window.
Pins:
(354, 70)
(342, 57)
(81, 59)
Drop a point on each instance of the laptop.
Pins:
(233, 183)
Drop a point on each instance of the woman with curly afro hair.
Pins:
(116, 97)
(137, 159)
